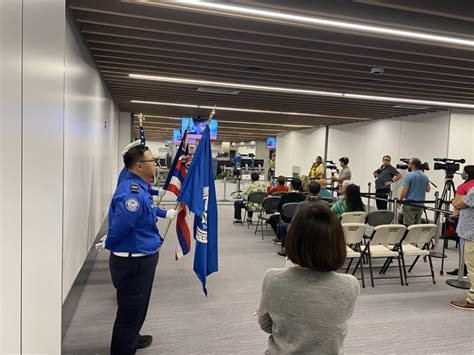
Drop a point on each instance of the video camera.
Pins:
(424, 167)
(331, 166)
(448, 165)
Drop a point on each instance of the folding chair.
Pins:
(421, 235)
(269, 207)
(385, 243)
(353, 217)
(353, 235)
(377, 218)
(254, 198)
(279, 193)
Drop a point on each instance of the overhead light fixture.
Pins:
(241, 122)
(298, 91)
(221, 108)
(286, 18)
(234, 85)
(411, 107)
(218, 91)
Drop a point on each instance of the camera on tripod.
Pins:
(450, 166)
(424, 167)
(332, 166)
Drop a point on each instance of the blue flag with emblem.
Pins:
(199, 194)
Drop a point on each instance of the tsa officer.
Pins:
(134, 241)
(123, 173)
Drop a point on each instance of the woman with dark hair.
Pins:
(306, 307)
(350, 202)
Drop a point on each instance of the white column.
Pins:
(10, 175)
(124, 134)
(42, 175)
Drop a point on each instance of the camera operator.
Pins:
(415, 186)
(384, 177)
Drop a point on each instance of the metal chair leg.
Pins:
(362, 272)
(400, 270)
(432, 271)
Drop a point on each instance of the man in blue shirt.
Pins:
(415, 186)
(134, 241)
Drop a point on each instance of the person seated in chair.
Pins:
(280, 187)
(312, 199)
(255, 186)
(293, 196)
(351, 201)
(324, 192)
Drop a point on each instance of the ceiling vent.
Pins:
(411, 107)
(218, 91)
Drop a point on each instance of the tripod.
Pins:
(447, 195)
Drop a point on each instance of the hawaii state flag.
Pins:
(199, 194)
(173, 183)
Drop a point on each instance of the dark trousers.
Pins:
(381, 193)
(238, 205)
(282, 232)
(273, 221)
(133, 279)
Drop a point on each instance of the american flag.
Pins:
(173, 183)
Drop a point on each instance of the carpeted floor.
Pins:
(389, 318)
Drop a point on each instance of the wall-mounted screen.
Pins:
(271, 143)
(177, 136)
(197, 126)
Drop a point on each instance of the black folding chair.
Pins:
(279, 193)
(287, 212)
(269, 207)
(254, 198)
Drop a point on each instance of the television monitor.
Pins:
(177, 136)
(196, 127)
(271, 143)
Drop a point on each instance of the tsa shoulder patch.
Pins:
(132, 204)
(134, 188)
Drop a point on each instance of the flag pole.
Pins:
(211, 115)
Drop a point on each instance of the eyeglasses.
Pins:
(148, 161)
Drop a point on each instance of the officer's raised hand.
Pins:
(171, 213)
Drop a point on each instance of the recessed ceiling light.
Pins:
(241, 122)
(286, 18)
(221, 108)
(218, 91)
(299, 91)
(411, 107)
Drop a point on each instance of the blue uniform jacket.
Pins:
(123, 176)
(132, 218)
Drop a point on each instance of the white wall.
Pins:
(10, 175)
(61, 167)
(441, 134)
(42, 175)
(461, 138)
(90, 153)
(299, 148)
(124, 135)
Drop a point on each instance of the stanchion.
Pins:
(395, 210)
(459, 282)
(434, 253)
(225, 187)
(368, 198)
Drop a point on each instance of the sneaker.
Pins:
(281, 253)
(462, 305)
(237, 221)
(144, 341)
(454, 273)
(276, 241)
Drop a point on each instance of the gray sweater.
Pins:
(305, 311)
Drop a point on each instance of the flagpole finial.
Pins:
(211, 115)
(141, 117)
